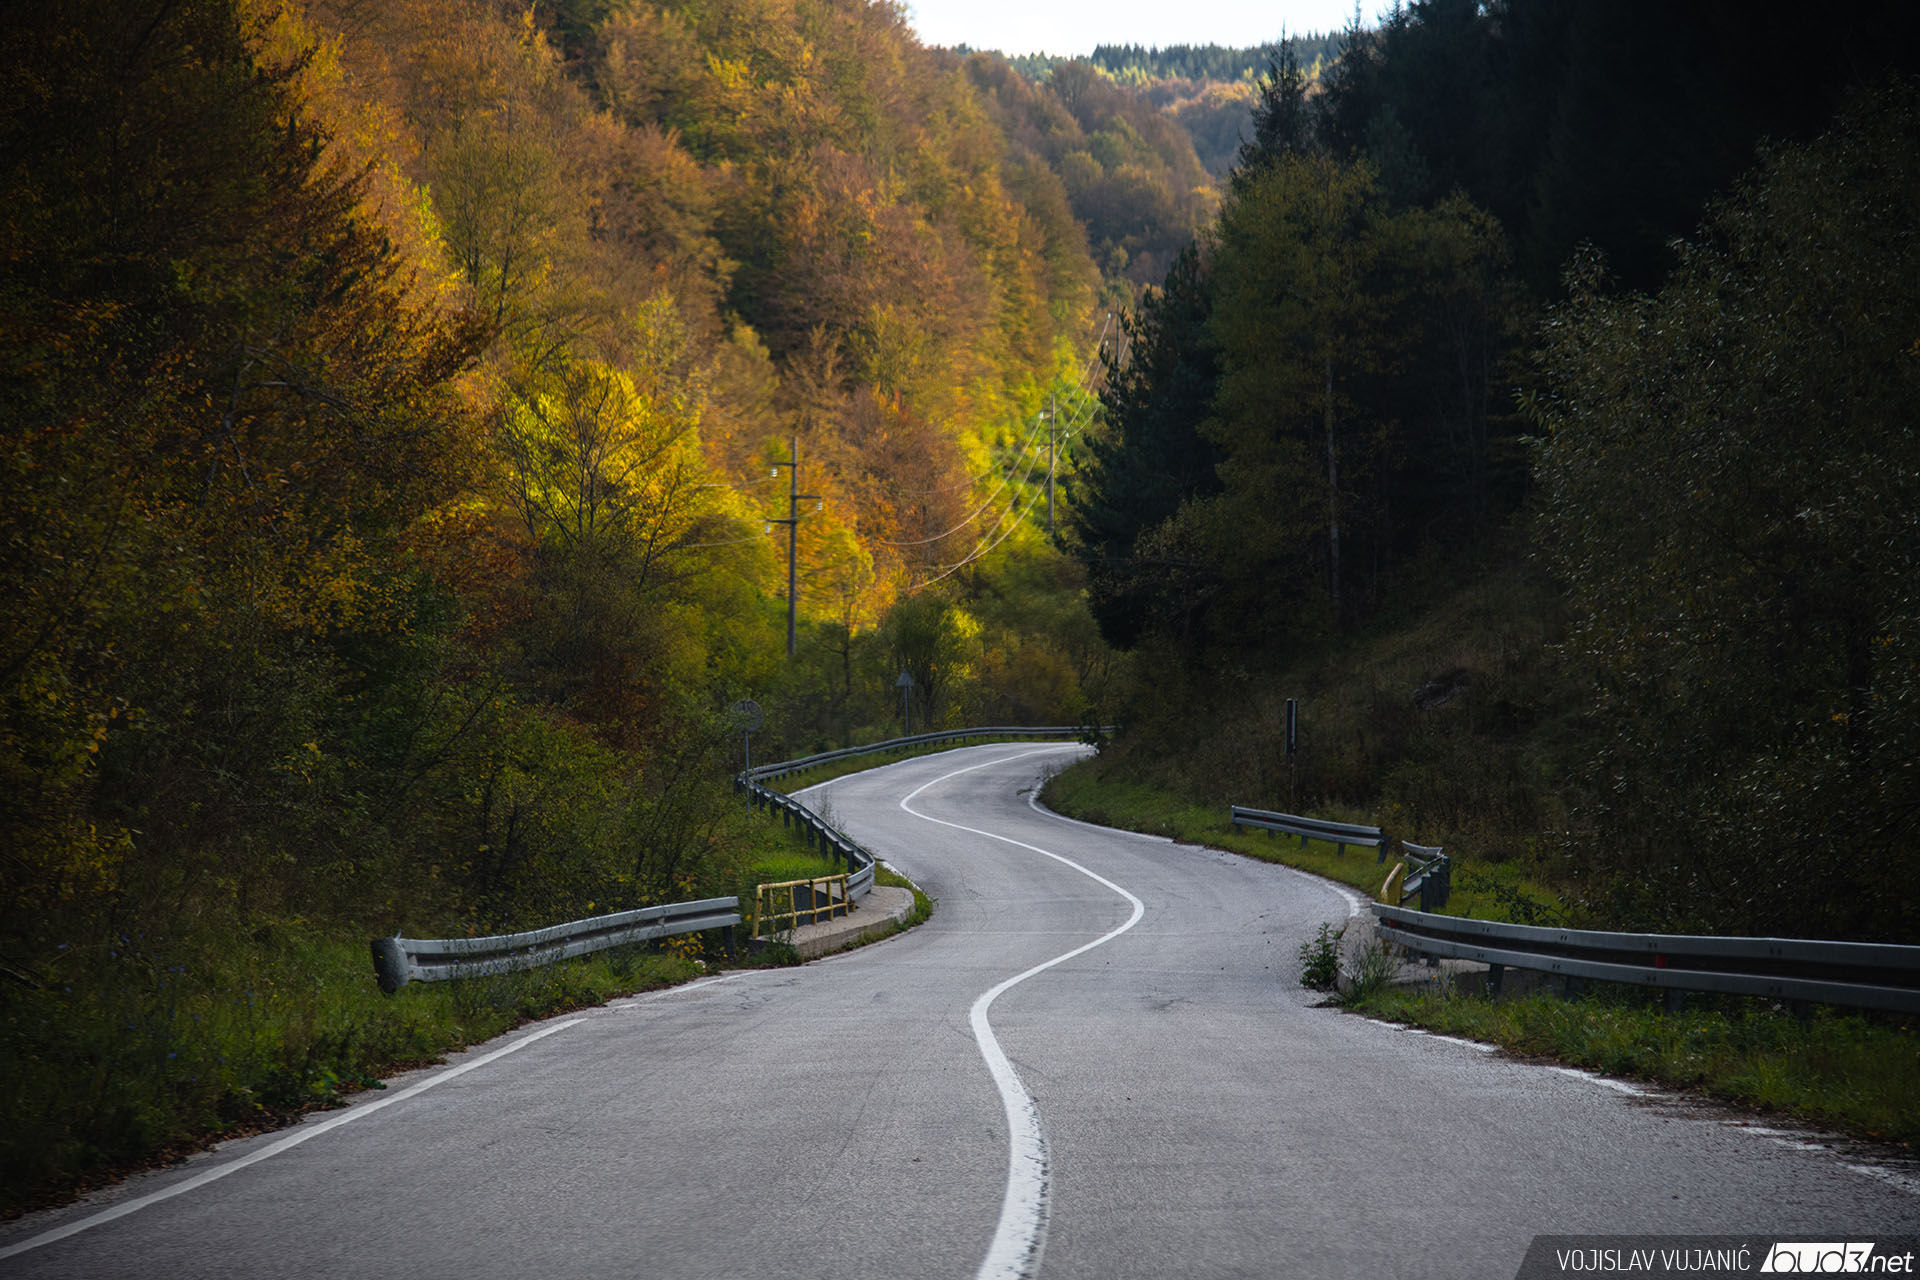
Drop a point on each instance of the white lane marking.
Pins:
(647, 997)
(1471, 1044)
(1406, 1029)
(1356, 905)
(1792, 1139)
(293, 1139)
(1605, 1082)
(1020, 1235)
(1445, 1039)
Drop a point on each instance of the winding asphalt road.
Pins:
(1094, 1061)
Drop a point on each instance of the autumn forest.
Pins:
(411, 404)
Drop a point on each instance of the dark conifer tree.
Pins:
(1154, 456)
(1283, 121)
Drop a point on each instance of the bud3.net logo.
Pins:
(1834, 1259)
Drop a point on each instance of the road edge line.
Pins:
(293, 1139)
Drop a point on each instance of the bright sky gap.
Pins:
(1075, 28)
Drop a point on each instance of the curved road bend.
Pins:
(1164, 1100)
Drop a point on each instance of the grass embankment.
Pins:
(1451, 721)
(922, 904)
(166, 1047)
(782, 866)
(157, 1047)
(1836, 1068)
(1481, 891)
(785, 860)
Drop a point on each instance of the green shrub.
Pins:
(1320, 958)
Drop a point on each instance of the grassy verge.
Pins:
(143, 1052)
(922, 904)
(155, 1051)
(1839, 1069)
(149, 1049)
(779, 866)
(788, 860)
(1491, 891)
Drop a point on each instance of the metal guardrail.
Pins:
(1860, 974)
(1339, 834)
(1431, 879)
(1432, 875)
(828, 838)
(398, 961)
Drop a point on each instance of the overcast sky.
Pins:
(1076, 26)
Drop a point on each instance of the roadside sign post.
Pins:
(905, 685)
(747, 714)
(1293, 744)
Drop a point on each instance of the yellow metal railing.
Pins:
(826, 897)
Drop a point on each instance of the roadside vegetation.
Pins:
(1837, 1068)
(162, 1044)
(158, 1050)
(1481, 890)
(1616, 610)
(781, 865)
(1448, 722)
(1480, 764)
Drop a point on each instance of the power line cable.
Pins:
(980, 552)
(988, 542)
(1081, 383)
(1081, 416)
(1032, 463)
(975, 513)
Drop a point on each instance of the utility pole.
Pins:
(1053, 422)
(794, 497)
